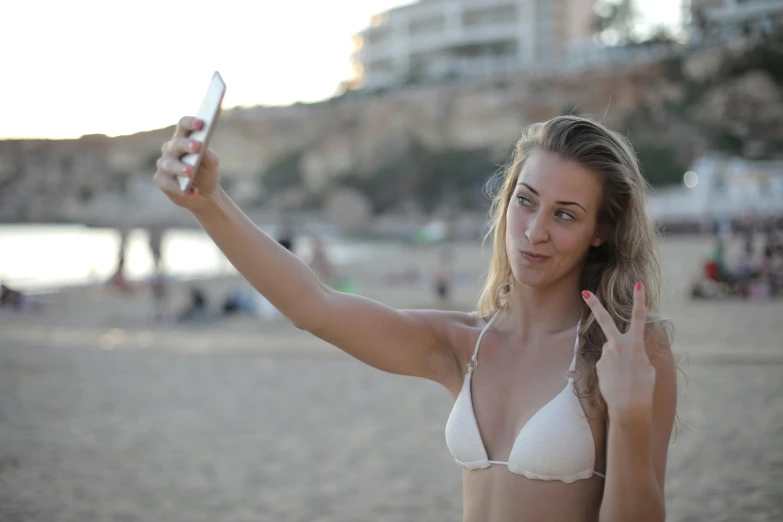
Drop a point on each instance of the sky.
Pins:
(105, 67)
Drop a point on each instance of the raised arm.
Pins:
(416, 343)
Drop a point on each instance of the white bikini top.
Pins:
(555, 444)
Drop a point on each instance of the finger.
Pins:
(601, 315)
(605, 354)
(167, 184)
(170, 186)
(173, 167)
(178, 147)
(186, 125)
(639, 311)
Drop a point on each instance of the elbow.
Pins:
(650, 508)
(310, 315)
(655, 514)
(299, 326)
(659, 511)
(658, 507)
(647, 515)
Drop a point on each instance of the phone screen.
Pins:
(208, 113)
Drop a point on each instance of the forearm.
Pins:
(631, 491)
(276, 273)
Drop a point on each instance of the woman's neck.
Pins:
(541, 311)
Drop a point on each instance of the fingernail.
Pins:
(192, 191)
(187, 169)
(197, 123)
(192, 145)
(638, 286)
(586, 294)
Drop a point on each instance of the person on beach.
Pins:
(286, 235)
(155, 237)
(442, 279)
(320, 263)
(11, 298)
(563, 379)
(119, 279)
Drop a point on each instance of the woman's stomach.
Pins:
(495, 494)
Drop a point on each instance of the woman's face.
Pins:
(551, 220)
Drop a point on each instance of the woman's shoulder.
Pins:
(466, 328)
(452, 326)
(658, 327)
(474, 322)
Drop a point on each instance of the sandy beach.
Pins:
(106, 416)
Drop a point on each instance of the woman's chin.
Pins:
(531, 280)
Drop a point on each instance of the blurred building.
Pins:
(717, 187)
(435, 39)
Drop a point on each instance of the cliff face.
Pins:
(45, 180)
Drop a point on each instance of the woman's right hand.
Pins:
(205, 182)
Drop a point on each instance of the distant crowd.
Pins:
(756, 273)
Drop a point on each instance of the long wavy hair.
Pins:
(629, 251)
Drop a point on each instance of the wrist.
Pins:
(639, 414)
(211, 204)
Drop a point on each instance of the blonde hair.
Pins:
(629, 250)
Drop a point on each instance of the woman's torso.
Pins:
(512, 382)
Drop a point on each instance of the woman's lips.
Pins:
(530, 257)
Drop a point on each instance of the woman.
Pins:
(574, 280)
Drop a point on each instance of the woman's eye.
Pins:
(522, 200)
(564, 215)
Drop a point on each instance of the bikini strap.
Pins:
(572, 368)
(474, 359)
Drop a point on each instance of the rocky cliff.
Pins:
(44, 180)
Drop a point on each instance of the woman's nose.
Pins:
(536, 231)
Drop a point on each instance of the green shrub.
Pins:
(284, 173)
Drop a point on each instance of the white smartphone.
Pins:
(208, 113)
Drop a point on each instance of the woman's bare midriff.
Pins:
(495, 494)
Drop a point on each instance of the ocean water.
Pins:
(40, 257)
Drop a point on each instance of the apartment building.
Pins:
(467, 38)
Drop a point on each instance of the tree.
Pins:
(615, 21)
(284, 172)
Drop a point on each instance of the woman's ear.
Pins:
(600, 236)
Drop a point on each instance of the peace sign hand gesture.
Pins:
(625, 376)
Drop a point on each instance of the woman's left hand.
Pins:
(625, 376)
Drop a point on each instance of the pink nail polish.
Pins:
(638, 286)
(187, 170)
(586, 294)
(192, 191)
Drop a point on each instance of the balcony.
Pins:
(484, 66)
(490, 17)
(460, 67)
(489, 34)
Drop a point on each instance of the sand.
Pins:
(105, 416)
